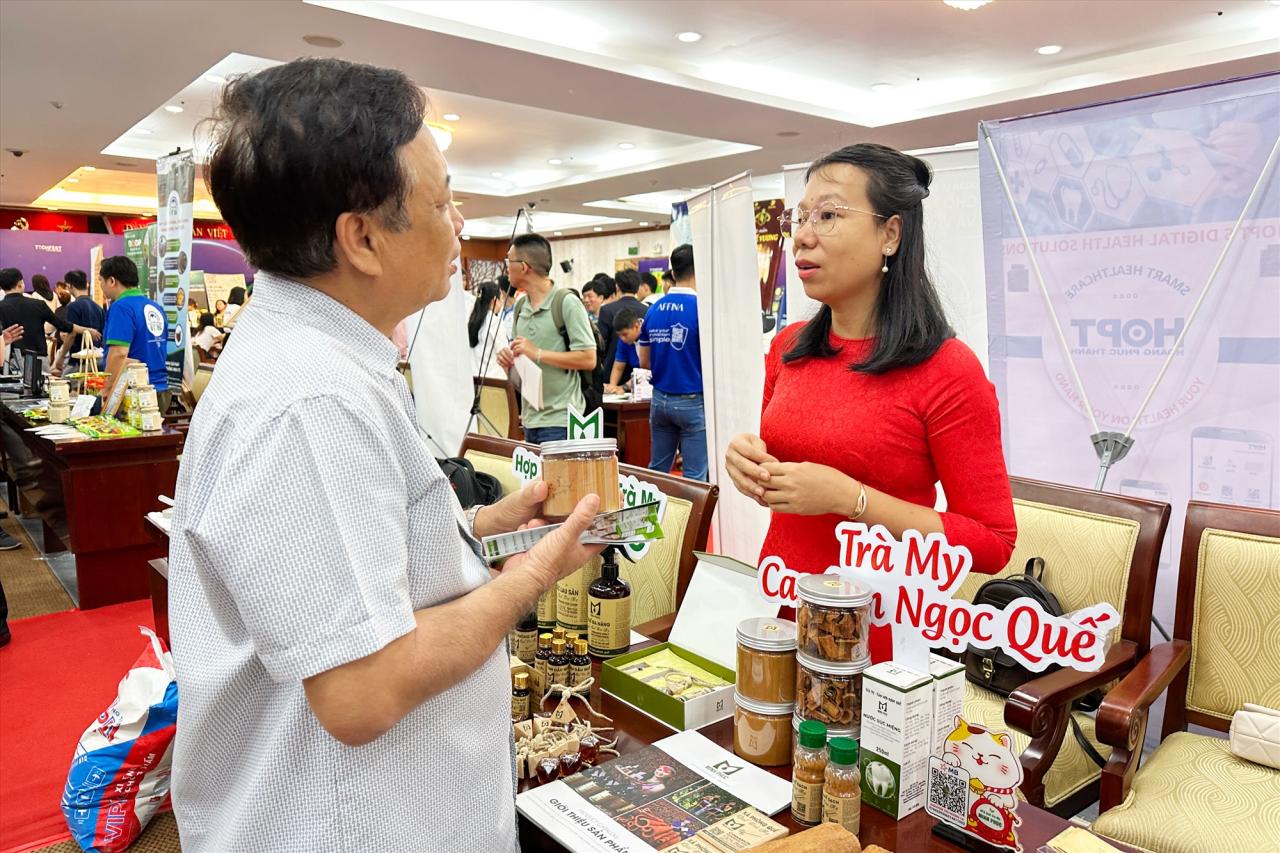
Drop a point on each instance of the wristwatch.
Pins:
(470, 515)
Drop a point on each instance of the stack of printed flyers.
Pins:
(683, 794)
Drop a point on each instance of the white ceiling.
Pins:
(770, 83)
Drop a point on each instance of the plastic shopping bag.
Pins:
(120, 773)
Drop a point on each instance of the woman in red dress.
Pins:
(872, 402)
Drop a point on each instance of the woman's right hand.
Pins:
(743, 458)
(559, 554)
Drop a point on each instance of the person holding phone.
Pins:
(872, 402)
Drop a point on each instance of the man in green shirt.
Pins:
(560, 349)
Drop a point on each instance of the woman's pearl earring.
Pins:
(885, 268)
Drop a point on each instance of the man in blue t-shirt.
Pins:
(669, 346)
(136, 327)
(82, 311)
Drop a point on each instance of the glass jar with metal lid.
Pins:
(150, 420)
(767, 659)
(830, 692)
(833, 618)
(577, 468)
(59, 391)
(762, 731)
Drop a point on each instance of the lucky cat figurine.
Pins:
(994, 775)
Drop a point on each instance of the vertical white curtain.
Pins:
(441, 362)
(722, 221)
(799, 305)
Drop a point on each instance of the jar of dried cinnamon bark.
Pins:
(767, 659)
(833, 618)
(830, 692)
(576, 468)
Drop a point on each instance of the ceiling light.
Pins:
(1049, 49)
(880, 88)
(451, 117)
(54, 209)
(597, 228)
(689, 36)
(88, 168)
(644, 224)
(466, 236)
(557, 233)
(322, 41)
(626, 146)
(73, 180)
(441, 134)
(495, 174)
(555, 161)
(215, 78)
(966, 5)
(172, 108)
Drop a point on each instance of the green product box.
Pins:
(897, 728)
(721, 593)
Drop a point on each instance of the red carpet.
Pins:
(57, 675)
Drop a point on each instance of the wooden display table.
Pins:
(910, 835)
(91, 497)
(629, 422)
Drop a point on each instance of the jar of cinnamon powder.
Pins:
(576, 468)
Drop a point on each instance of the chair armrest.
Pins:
(1129, 700)
(1032, 707)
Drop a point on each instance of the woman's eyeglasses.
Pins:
(822, 218)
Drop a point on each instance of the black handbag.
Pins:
(1000, 673)
(474, 488)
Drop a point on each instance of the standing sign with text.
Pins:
(175, 182)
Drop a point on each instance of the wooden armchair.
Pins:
(498, 404)
(1192, 793)
(660, 578)
(1097, 547)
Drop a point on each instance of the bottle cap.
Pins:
(843, 750)
(522, 681)
(557, 647)
(813, 734)
(579, 647)
(544, 640)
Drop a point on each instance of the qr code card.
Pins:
(948, 798)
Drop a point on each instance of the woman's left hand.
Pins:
(807, 488)
(508, 514)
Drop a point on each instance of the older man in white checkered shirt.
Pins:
(339, 644)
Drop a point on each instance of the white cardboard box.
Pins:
(897, 728)
(948, 698)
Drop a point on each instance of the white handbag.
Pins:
(1255, 735)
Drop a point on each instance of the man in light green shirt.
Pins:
(552, 328)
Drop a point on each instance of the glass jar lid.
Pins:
(764, 709)
(580, 445)
(827, 667)
(767, 634)
(832, 591)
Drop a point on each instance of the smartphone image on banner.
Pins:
(1231, 466)
(1152, 491)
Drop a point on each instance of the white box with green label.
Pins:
(948, 698)
(897, 728)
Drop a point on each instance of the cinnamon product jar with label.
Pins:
(762, 731)
(576, 468)
(830, 692)
(833, 618)
(842, 785)
(767, 659)
(808, 768)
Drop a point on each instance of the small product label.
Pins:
(609, 625)
(524, 644)
(579, 674)
(842, 810)
(556, 674)
(547, 609)
(538, 677)
(806, 801)
(519, 707)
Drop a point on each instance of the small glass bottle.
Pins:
(557, 665)
(524, 639)
(808, 768)
(540, 664)
(842, 785)
(580, 666)
(609, 612)
(520, 697)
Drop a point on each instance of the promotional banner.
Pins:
(1130, 208)
(140, 247)
(769, 255)
(175, 184)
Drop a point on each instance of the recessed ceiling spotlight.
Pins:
(495, 174)
(172, 108)
(73, 180)
(644, 224)
(597, 228)
(626, 146)
(322, 41)
(215, 78)
(689, 36)
(555, 161)
(966, 5)
(451, 117)
(466, 236)
(1049, 49)
(787, 134)
(53, 209)
(880, 88)
(557, 233)
(88, 168)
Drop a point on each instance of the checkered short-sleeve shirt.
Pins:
(311, 522)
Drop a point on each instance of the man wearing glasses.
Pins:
(552, 329)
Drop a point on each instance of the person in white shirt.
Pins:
(486, 332)
(207, 338)
(235, 302)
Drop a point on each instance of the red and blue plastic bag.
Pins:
(120, 773)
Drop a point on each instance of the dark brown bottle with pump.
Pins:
(609, 613)
(579, 665)
(557, 665)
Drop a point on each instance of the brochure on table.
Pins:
(684, 783)
(721, 593)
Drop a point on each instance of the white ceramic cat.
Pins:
(994, 771)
